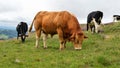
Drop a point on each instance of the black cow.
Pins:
(22, 28)
(94, 20)
(116, 18)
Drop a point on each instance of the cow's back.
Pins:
(89, 17)
(94, 14)
(45, 21)
(49, 21)
(24, 27)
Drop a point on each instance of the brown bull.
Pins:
(62, 23)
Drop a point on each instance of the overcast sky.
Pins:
(14, 11)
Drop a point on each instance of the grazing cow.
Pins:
(22, 28)
(116, 18)
(94, 20)
(62, 23)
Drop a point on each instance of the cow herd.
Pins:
(63, 23)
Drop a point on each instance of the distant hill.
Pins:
(7, 33)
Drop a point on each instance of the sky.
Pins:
(14, 11)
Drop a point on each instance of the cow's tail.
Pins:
(33, 22)
(30, 28)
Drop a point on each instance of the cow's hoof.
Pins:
(36, 47)
(45, 47)
(78, 48)
(61, 49)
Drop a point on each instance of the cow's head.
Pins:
(77, 39)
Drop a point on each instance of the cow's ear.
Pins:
(80, 33)
(72, 38)
(85, 37)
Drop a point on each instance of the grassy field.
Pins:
(99, 51)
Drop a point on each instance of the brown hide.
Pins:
(62, 23)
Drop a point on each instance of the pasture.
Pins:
(98, 51)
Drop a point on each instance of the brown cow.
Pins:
(62, 23)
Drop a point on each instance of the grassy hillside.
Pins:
(99, 51)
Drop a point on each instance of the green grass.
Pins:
(97, 52)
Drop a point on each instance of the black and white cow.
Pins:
(116, 18)
(21, 29)
(94, 20)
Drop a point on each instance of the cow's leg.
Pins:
(94, 29)
(114, 19)
(96, 25)
(90, 25)
(87, 26)
(23, 38)
(91, 28)
(60, 34)
(38, 34)
(64, 44)
(44, 40)
(18, 36)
